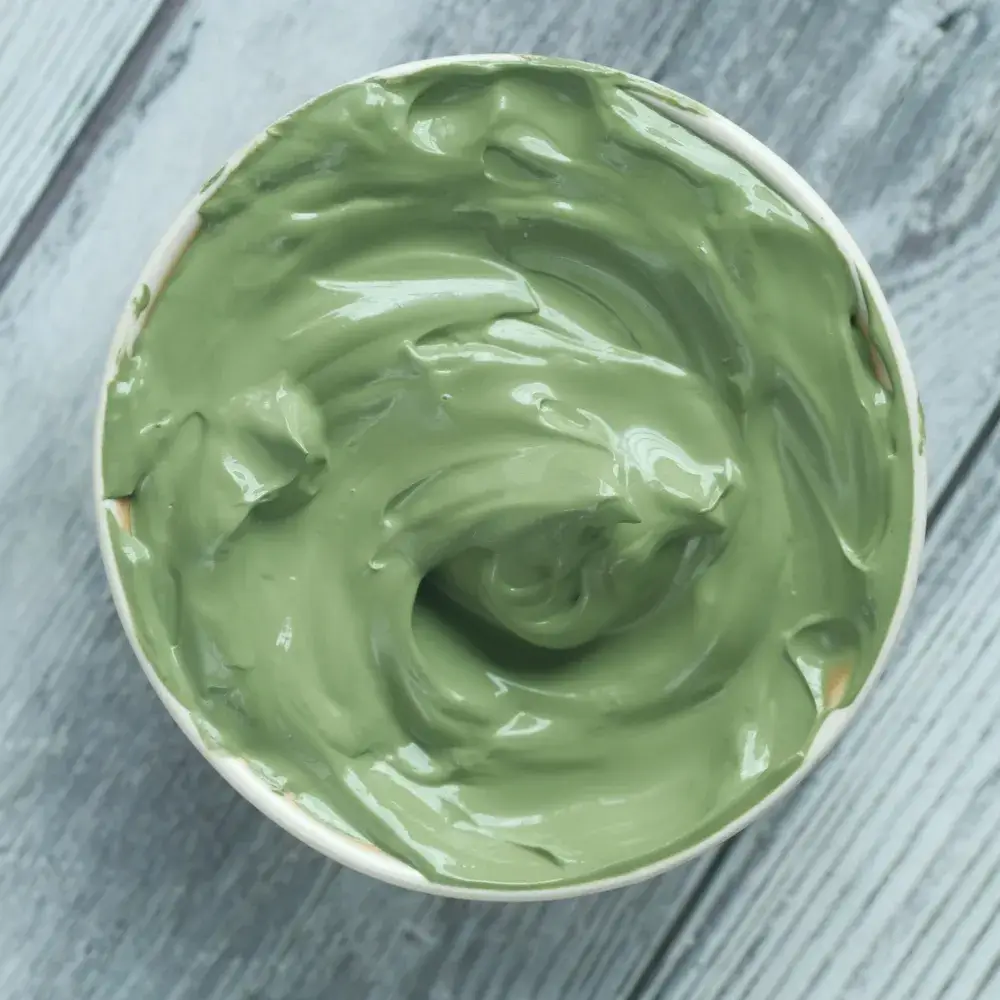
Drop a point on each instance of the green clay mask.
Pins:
(515, 478)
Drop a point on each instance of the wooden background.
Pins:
(128, 870)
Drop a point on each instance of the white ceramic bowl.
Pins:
(283, 808)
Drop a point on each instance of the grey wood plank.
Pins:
(135, 871)
(56, 60)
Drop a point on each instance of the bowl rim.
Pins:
(283, 808)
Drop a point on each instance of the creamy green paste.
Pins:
(515, 478)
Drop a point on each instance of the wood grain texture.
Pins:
(129, 869)
(56, 60)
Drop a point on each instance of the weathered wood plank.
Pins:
(136, 871)
(56, 60)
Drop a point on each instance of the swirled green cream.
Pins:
(515, 478)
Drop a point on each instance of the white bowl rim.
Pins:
(282, 808)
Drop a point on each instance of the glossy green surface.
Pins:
(514, 476)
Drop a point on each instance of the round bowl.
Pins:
(295, 816)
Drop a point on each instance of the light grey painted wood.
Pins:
(128, 868)
(56, 60)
